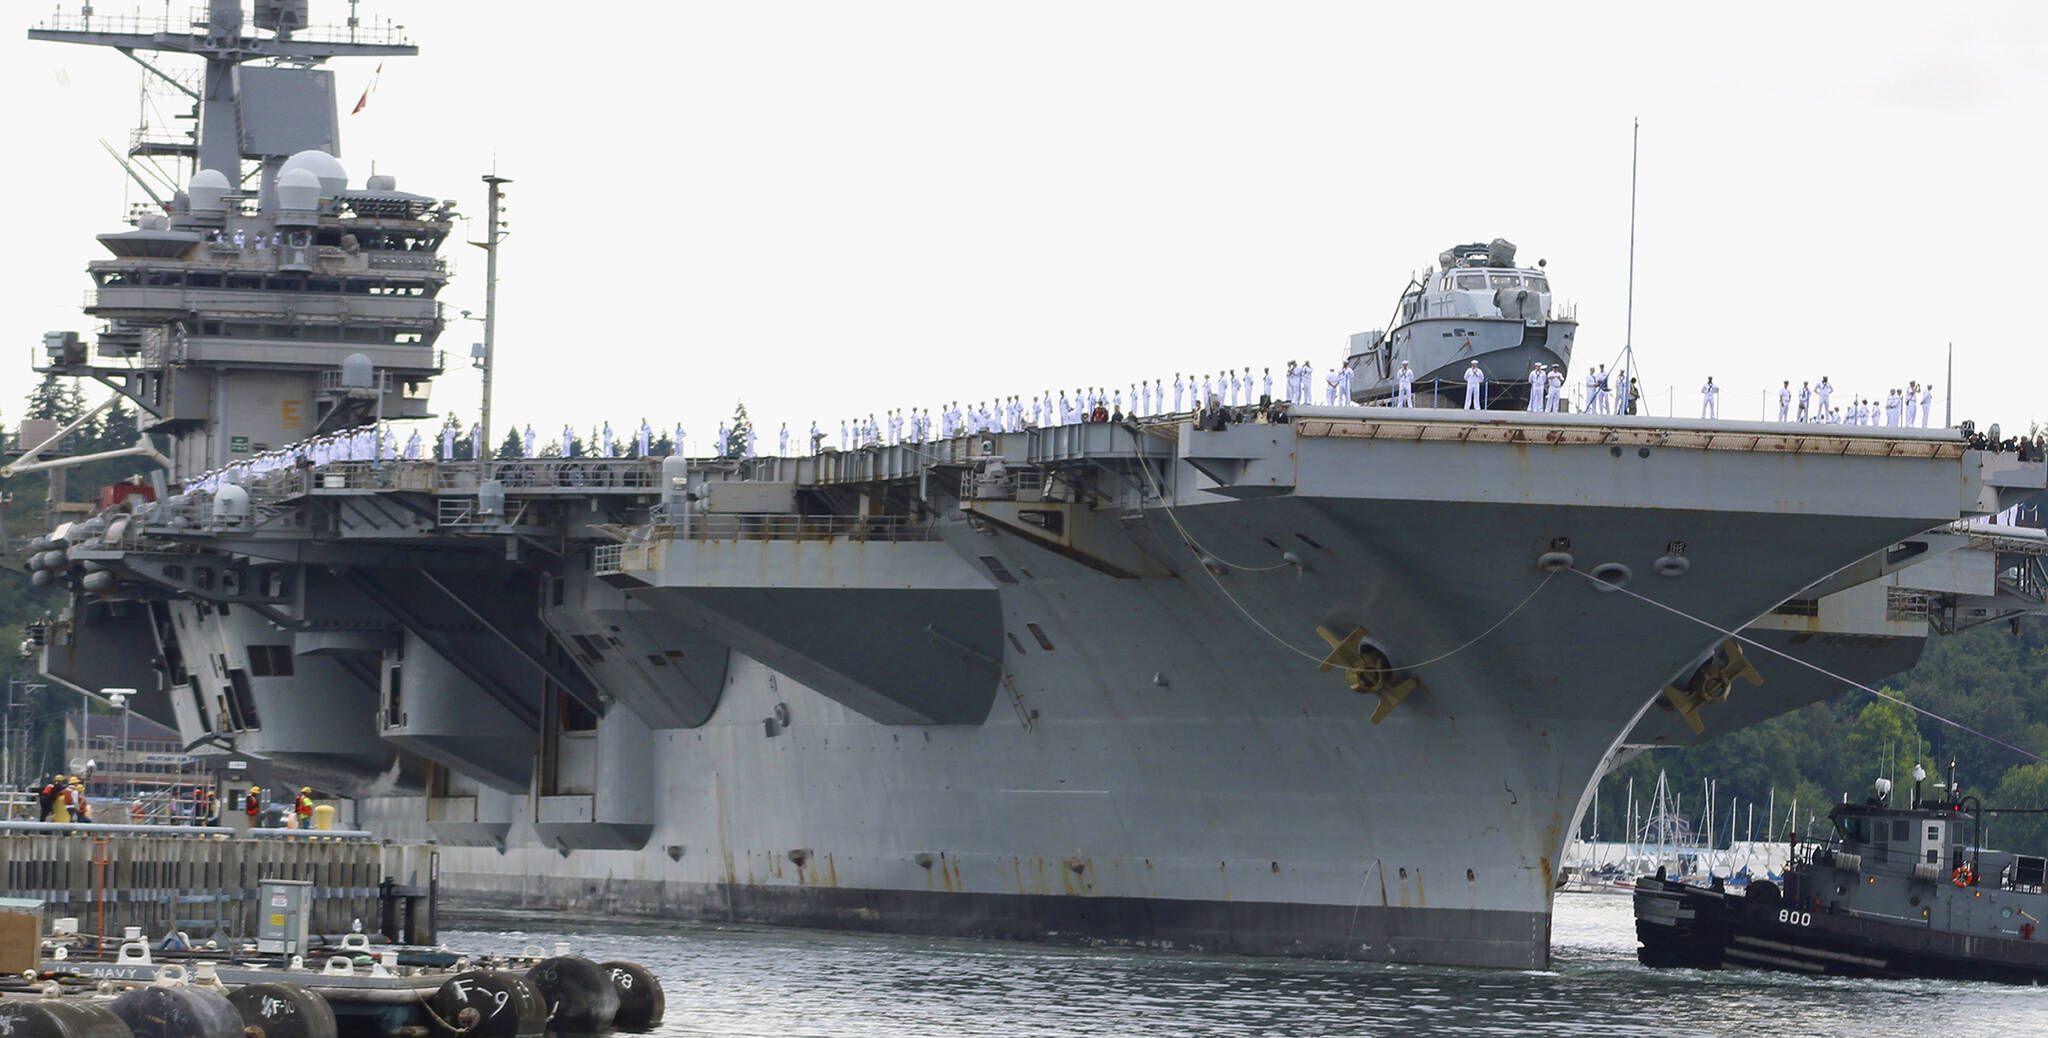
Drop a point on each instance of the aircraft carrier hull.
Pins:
(1164, 763)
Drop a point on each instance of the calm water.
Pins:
(809, 984)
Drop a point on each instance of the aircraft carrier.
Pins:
(1281, 679)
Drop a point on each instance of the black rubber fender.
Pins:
(277, 1010)
(181, 1011)
(489, 1004)
(640, 997)
(52, 1018)
(578, 992)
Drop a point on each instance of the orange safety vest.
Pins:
(252, 806)
(305, 806)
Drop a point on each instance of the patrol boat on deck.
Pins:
(1478, 306)
(1892, 892)
(1206, 685)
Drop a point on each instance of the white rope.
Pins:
(1816, 668)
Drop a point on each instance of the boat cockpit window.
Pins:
(1537, 283)
(1504, 280)
(1902, 831)
(1472, 281)
(1856, 828)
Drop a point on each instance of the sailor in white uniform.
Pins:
(606, 439)
(782, 441)
(678, 447)
(1537, 377)
(647, 438)
(1926, 405)
(1475, 386)
(1710, 399)
(447, 443)
(527, 439)
(1404, 386)
(1208, 392)
(1785, 400)
(718, 445)
(412, 447)
(1822, 392)
(1805, 399)
(1912, 402)
(568, 441)
(476, 441)
(1308, 382)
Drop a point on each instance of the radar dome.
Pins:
(205, 191)
(333, 178)
(298, 190)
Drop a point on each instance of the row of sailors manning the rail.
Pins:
(1906, 408)
(1605, 393)
(368, 443)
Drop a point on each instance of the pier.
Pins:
(202, 881)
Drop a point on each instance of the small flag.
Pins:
(368, 90)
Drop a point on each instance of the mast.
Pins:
(1628, 334)
(494, 233)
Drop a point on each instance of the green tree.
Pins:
(735, 443)
(2024, 787)
(512, 447)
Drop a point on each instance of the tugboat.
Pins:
(1476, 304)
(1893, 892)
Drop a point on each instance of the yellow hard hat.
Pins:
(255, 789)
(60, 779)
(308, 790)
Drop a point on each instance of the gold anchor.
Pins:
(1711, 683)
(1366, 670)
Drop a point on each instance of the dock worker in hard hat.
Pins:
(46, 798)
(53, 803)
(252, 805)
(303, 807)
(75, 800)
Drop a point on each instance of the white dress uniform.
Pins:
(1404, 386)
(1475, 386)
(476, 441)
(782, 441)
(647, 438)
(1912, 407)
(1269, 384)
(1822, 392)
(1305, 394)
(447, 443)
(1177, 399)
(718, 445)
(606, 439)
(528, 439)
(1592, 393)
(1805, 400)
(1710, 400)
(1785, 402)
(1926, 405)
(1208, 392)
(568, 441)
(679, 439)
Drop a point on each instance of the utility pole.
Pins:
(494, 233)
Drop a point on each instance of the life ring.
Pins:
(1963, 876)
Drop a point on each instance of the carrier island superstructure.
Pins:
(1328, 681)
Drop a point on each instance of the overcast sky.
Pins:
(827, 209)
